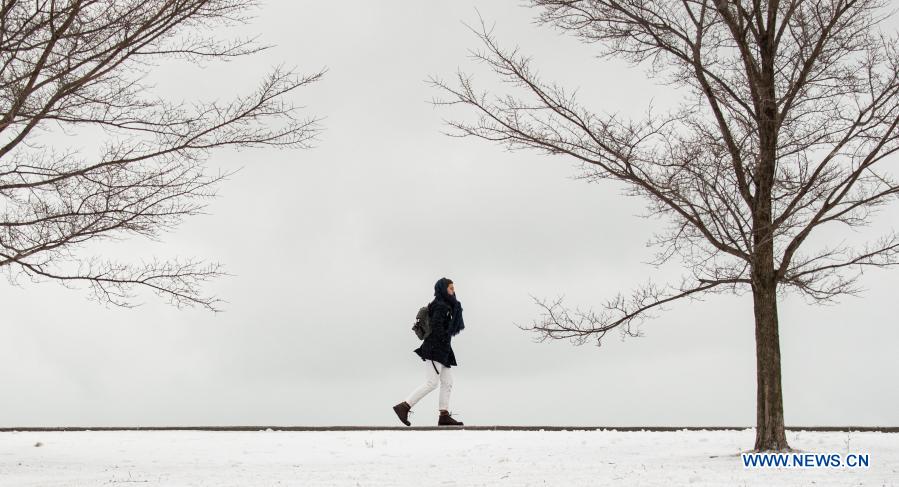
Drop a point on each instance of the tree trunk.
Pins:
(769, 432)
(769, 435)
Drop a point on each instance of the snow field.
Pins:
(426, 458)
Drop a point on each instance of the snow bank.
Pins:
(431, 458)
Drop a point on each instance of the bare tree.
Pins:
(791, 111)
(75, 67)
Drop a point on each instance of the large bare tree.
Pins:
(78, 68)
(789, 119)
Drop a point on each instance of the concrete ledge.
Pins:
(881, 429)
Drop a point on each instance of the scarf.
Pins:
(456, 323)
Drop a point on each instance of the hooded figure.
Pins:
(445, 315)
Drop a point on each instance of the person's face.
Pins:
(451, 290)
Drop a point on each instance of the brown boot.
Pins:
(446, 420)
(402, 410)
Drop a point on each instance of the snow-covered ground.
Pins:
(425, 458)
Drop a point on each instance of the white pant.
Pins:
(436, 374)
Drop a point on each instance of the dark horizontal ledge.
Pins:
(881, 429)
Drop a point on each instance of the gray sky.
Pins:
(335, 248)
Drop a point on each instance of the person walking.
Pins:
(445, 317)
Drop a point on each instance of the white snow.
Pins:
(426, 458)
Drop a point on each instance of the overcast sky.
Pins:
(335, 248)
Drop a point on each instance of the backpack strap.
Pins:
(435, 367)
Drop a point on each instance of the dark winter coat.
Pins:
(436, 346)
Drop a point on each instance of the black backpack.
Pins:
(422, 326)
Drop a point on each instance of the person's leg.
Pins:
(431, 381)
(446, 387)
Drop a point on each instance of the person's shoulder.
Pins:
(439, 303)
